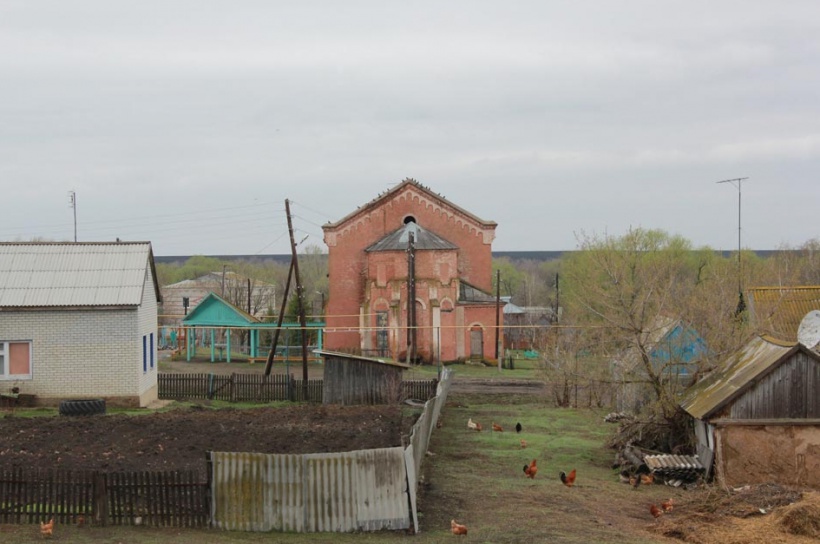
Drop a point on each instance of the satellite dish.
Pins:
(808, 333)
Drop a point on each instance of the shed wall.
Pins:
(788, 392)
(350, 382)
(783, 454)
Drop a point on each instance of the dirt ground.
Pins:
(178, 439)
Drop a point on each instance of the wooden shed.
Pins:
(353, 379)
(758, 415)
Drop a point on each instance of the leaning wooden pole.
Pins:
(300, 300)
(272, 354)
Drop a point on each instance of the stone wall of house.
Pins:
(787, 454)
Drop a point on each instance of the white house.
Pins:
(79, 320)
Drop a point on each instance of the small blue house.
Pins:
(674, 349)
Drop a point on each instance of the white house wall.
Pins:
(147, 322)
(78, 353)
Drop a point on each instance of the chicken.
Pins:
(471, 424)
(647, 479)
(655, 511)
(568, 479)
(478, 427)
(667, 505)
(518, 427)
(80, 520)
(497, 428)
(531, 470)
(635, 480)
(47, 529)
(457, 528)
(523, 443)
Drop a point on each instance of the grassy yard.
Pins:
(477, 479)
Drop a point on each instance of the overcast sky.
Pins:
(188, 123)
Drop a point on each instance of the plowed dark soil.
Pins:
(178, 440)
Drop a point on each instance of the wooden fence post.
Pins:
(100, 499)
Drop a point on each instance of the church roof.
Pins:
(423, 239)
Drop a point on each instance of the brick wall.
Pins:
(356, 276)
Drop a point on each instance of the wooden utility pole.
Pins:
(269, 363)
(411, 299)
(301, 301)
(497, 316)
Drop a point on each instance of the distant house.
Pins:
(79, 320)
(527, 327)
(758, 415)
(777, 311)
(234, 286)
(447, 311)
(674, 349)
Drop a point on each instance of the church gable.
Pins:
(409, 201)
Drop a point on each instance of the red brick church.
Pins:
(369, 262)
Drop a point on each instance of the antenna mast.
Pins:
(738, 182)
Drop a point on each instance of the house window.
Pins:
(145, 354)
(151, 349)
(15, 360)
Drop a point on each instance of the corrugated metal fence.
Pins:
(366, 490)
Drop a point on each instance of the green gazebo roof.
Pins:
(215, 311)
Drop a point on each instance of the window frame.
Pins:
(5, 351)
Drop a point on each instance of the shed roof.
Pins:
(74, 274)
(422, 239)
(778, 310)
(739, 372)
(352, 357)
(215, 311)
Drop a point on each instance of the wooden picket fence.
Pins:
(260, 388)
(156, 499)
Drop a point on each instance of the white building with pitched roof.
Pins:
(79, 320)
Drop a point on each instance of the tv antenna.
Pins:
(738, 182)
(72, 203)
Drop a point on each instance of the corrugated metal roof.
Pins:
(73, 274)
(422, 239)
(734, 376)
(778, 310)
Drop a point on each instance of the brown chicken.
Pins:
(667, 505)
(531, 470)
(497, 428)
(47, 529)
(457, 528)
(635, 480)
(478, 427)
(568, 479)
(647, 479)
(523, 444)
(80, 520)
(655, 511)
